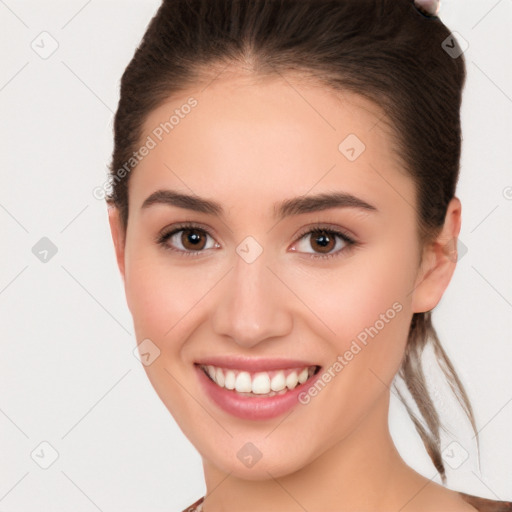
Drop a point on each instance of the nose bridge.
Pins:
(251, 307)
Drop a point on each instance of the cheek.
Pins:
(158, 296)
(366, 305)
(354, 295)
(161, 300)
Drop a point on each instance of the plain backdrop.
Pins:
(81, 428)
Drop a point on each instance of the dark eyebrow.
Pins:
(190, 202)
(307, 204)
(294, 206)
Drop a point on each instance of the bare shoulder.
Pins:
(429, 496)
(437, 497)
(456, 501)
(441, 498)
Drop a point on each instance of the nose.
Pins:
(253, 304)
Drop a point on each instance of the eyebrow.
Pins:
(295, 206)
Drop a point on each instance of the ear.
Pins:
(117, 236)
(438, 262)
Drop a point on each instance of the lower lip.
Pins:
(253, 408)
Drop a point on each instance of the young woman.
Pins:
(284, 216)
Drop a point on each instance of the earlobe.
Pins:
(117, 237)
(438, 263)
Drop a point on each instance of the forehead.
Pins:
(239, 138)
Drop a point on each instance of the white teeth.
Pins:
(219, 377)
(261, 384)
(278, 382)
(243, 382)
(291, 380)
(230, 380)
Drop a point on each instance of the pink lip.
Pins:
(253, 408)
(252, 364)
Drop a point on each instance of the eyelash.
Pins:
(351, 243)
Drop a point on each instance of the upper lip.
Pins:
(253, 364)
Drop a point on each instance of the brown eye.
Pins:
(188, 240)
(193, 239)
(322, 241)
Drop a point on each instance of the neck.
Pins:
(363, 471)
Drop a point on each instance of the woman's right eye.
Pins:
(189, 240)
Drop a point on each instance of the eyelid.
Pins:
(325, 226)
(179, 226)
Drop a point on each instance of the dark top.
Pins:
(481, 504)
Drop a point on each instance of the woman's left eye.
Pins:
(325, 241)
(191, 240)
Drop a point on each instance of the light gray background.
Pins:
(68, 376)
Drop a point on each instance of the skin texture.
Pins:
(249, 144)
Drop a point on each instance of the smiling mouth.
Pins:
(259, 384)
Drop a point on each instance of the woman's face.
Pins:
(249, 288)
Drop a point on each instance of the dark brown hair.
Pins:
(385, 50)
